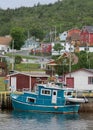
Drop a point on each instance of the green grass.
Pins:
(27, 67)
(20, 67)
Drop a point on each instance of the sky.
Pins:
(12, 4)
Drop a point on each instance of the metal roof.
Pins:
(89, 28)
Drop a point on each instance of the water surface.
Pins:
(40, 121)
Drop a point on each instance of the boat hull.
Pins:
(21, 106)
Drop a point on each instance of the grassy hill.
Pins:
(63, 15)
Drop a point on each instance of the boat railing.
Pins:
(51, 84)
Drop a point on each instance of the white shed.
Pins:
(81, 79)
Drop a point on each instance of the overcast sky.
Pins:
(4, 4)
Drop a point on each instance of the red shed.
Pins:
(23, 81)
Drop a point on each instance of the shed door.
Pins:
(70, 82)
(13, 83)
(54, 96)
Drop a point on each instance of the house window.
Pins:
(86, 48)
(46, 92)
(70, 49)
(90, 80)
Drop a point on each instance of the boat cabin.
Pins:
(48, 95)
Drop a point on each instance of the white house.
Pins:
(63, 36)
(30, 43)
(81, 79)
(66, 48)
(83, 48)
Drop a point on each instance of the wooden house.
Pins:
(30, 44)
(73, 37)
(73, 34)
(86, 36)
(81, 79)
(19, 81)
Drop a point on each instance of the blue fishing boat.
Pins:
(46, 98)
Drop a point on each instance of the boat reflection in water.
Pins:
(43, 116)
(43, 121)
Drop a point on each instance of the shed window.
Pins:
(45, 92)
(90, 80)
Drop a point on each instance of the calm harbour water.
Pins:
(40, 121)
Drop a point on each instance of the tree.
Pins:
(37, 32)
(82, 63)
(58, 47)
(18, 59)
(18, 37)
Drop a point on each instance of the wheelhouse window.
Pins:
(54, 93)
(90, 80)
(68, 93)
(46, 92)
(29, 99)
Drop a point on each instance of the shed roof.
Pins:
(52, 63)
(32, 74)
(82, 69)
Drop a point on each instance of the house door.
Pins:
(54, 96)
(13, 84)
(70, 82)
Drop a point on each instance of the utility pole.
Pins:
(50, 36)
(28, 34)
(12, 55)
(70, 57)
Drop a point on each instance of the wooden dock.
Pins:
(86, 107)
(5, 100)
